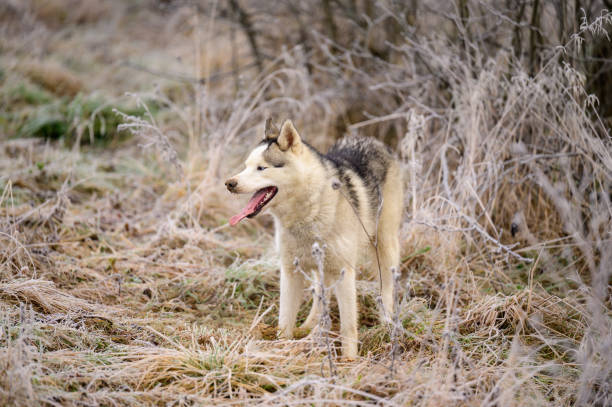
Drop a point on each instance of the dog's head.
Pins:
(270, 167)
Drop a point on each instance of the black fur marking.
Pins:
(346, 180)
(368, 158)
(269, 141)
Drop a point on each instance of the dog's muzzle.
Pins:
(231, 185)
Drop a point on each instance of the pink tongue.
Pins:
(250, 207)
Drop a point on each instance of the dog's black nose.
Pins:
(231, 184)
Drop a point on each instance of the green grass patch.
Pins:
(31, 111)
(89, 120)
(249, 283)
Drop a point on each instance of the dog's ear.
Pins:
(288, 137)
(271, 131)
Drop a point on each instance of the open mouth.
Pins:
(255, 205)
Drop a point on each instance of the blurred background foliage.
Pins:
(65, 63)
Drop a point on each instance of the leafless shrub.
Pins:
(322, 296)
(396, 327)
(322, 334)
(149, 130)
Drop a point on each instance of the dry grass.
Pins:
(53, 78)
(121, 282)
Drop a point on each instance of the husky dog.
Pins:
(349, 200)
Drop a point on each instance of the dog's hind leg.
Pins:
(291, 286)
(388, 237)
(388, 252)
(346, 293)
(316, 309)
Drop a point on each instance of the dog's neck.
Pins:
(299, 208)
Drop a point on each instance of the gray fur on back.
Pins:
(368, 158)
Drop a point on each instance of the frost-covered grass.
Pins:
(121, 282)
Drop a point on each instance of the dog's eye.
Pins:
(260, 168)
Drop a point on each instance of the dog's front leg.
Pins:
(291, 286)
(346, 293)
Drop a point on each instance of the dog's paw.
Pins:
(348, 359)
(301, 332)
(284, 335)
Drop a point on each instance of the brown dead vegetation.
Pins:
(122, 284)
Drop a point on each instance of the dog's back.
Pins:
(369, 159)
